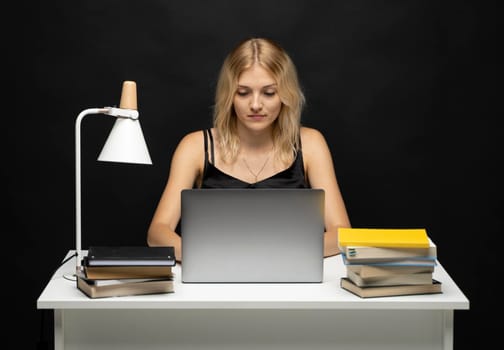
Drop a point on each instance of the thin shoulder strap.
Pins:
(212, 158)
(206, 151)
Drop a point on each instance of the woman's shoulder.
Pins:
(192, 138)
(311, 137)
(189, 153)
(315, 148)
(192, 143)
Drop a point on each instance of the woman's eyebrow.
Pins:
(264, 87)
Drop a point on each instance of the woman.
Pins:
(256, 141)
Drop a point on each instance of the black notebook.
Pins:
(129, 256)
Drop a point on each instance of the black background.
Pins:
(404, 92)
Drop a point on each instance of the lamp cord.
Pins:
(64, 261)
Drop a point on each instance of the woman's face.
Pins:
(256, 101)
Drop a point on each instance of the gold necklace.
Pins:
(256, 175)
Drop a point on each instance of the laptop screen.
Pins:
(252, 235)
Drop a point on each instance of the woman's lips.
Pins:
(257, 116)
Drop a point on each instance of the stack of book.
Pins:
(388, 262)
(126, 270)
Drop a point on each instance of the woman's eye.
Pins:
(242, 93)
(270, 93)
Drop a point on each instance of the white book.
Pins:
(370, 253)
(413, 261)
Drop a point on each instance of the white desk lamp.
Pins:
(125, 144)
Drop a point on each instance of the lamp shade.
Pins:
(125, 143)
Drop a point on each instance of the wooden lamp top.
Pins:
(128, 95)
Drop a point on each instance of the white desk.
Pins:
(253, 316)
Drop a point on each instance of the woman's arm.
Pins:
(186, 168)
(321, 174)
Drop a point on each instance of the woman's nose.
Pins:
(256, 104)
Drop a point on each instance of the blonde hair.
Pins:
(277, 62)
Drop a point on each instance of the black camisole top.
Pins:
(292, 177)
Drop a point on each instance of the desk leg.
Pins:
(448, 330)
(59, 334)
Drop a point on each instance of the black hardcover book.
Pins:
(129, 256)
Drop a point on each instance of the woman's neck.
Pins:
(255, 141)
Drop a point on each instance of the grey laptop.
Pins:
(252, 235)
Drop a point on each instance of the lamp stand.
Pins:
(112, 111)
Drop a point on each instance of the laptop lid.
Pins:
(252, 235)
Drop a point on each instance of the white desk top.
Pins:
(61, 293)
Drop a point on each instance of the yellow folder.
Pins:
(383, 237)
